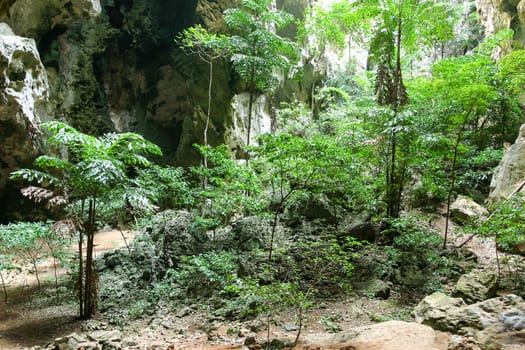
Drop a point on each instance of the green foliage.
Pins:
(256, 49)
(93, 166)
(86, 171)
(208, 46)
(28, 243)
(416, 252)
(511, 72)
(231, 188)
(506, 224)
(477, 168)
(292, 166)
(206, 274)
(167, 187)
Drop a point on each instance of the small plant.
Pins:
(330, 324)
(206, 274)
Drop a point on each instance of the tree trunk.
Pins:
(90, 292)
(453, 176)
(33, 262)
(3, 286)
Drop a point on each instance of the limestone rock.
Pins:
(360, 227)
(492, 323)
(260, 124)
(73, 342)
(23, 95)
(174, 235)
(476, 286)
(458, 342)
(105, 336)
(438, 311)
(465, 209)
(310, 208)
(35, 18)
(503, 14)
(250, 233)
(378, 289)
(511, 170)
(393, 335)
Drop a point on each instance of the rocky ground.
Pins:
(35, 320)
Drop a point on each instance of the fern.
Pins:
(31, 175)
(37, 194)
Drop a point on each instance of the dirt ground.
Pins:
(25, 323)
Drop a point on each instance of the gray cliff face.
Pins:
(106, 65)
(510, 173)
(114, 65)
(503, 14)
(23, 96)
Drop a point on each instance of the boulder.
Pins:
(360, 227)
(492, 323)
(72, 342)
(458, 342)
(511, 170)
(467, 210)
(250, 233)
(378, 289)
(476, 286)
(393, 335)
(440, 311)
(105, 336)
(175, 234)
(313, 208)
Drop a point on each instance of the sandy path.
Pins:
(25, 327)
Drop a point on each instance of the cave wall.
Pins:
(113, 65)
(503, 14)
(23, 96)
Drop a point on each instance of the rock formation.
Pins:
(503, 14)
(393, 335)
(511, 170)
(22, 97)
(491, 323)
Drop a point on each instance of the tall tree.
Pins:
(85, 170)
(209, 47)
(258, 52)
(402, 27)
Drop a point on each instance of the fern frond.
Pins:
(37, 194)
(100, 172)
(32, 175)
(45, 161)
(56, 201)
(130, 143)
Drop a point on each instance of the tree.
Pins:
(258, 53)
(293, 166)
(232, 189)
(85, 170)
(208, 47)
(402, 27)
(457, 98)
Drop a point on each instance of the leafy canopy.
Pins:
(256, 48)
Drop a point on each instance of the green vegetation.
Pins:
(334, 201)
(86, 171)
